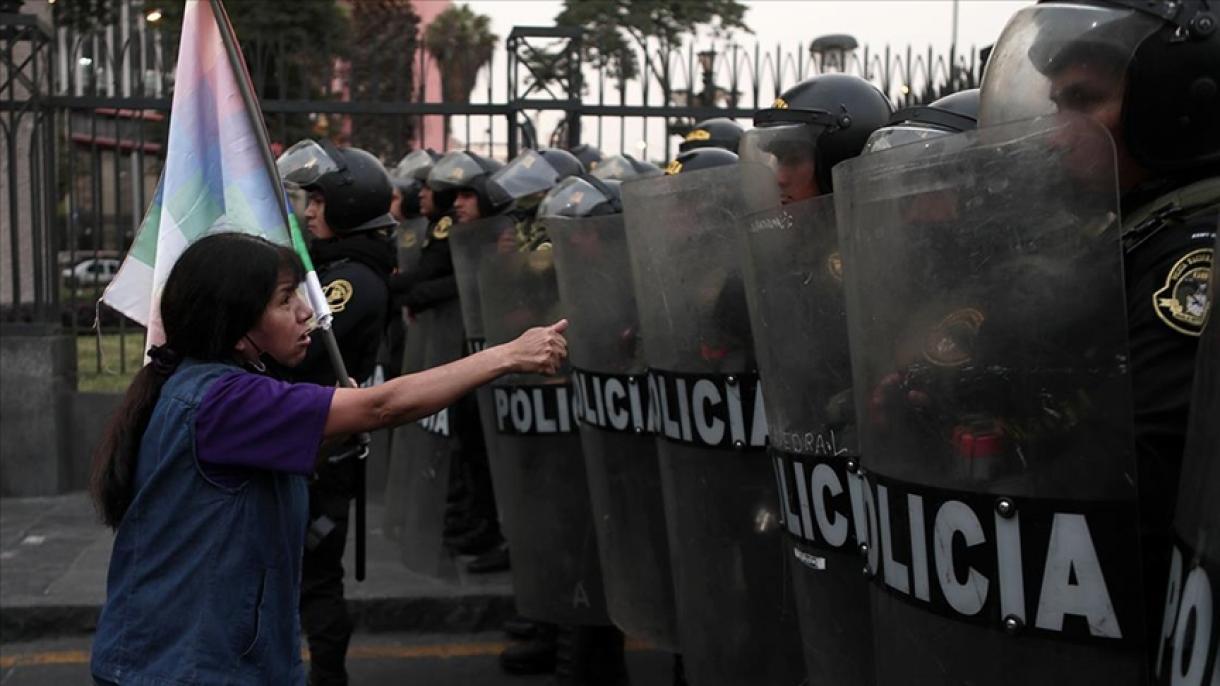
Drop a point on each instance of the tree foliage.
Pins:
(617, 33)
(461, 42)
(384, 38)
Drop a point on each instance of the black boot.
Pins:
(679, 670)
(535, 656)
(521, 629)
(494, 560)
(590, 656)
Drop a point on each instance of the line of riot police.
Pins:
(855, 396)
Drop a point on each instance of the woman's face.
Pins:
(283, 331)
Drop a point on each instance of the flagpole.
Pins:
(264, 145)
(253, 108)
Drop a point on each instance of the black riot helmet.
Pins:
(582, 196)
(953, 113)
(354, 184)
(588, 155)
(700, 158)
(717, 132)
(465, 170)
(1148, 70)
(532, 172)
(408, 177)
(624, 167)
(824, 120)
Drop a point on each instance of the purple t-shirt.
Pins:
(247, 422)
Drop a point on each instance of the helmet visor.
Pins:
(621, 168)
(453, 171)
(414, 165)
(526, 175)
(1058, 57)
(304, 163)
(780, 145)
(573, 197)
(902, 134)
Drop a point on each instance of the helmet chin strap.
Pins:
(256, 362)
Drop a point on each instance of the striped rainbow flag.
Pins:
(215, 178)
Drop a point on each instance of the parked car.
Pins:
(98, 271)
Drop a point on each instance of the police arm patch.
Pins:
(1182, 303)
(338, 293)
(441, 231)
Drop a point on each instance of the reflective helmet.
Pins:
(1149, 69)
(826, 119)
(465, 170)
(582, 196)
(354, 184)
(588, 155)
(951, 114)
(700, 158)
(533, 171)
(717, 132)
(623, 167)
(408, 177)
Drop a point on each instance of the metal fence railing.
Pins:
(84, 110)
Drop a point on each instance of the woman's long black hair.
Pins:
(216, 293)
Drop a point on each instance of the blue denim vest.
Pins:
(204, 580)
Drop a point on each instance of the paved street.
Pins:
(374, 659)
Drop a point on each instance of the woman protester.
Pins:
(202, 471)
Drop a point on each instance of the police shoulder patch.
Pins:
(441, 230)
(338, 293)
(951, 342)
(407, 239)
(1182, 303)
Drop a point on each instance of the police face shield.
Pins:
(789, 148)
(621, 168)
(306, 162)
(577, 197)
(453, 171)
(1060, 57)
(526, 175)
(414, 165)
(903, 134)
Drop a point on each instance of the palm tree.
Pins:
(461, 42)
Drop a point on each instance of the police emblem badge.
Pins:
(1182, 303)
(338, 293)
(441, 231)
(951, 342)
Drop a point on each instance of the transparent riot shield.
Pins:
(537, 465)
(409, 237)
(987, 322)
(426, 449)
(610, 378)
(468, 242)
(794, 282)
(1188, 649)
(733, 591)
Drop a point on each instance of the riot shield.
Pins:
(409, 238)
(468, 243)
(987, 323)
(593, 270)
(537, 466)
(1188, 650)
(794, 282)
(425, 450)
(736, 622)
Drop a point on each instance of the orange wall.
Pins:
(432, 126)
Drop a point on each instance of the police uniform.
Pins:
(432, 282)
(354, 273)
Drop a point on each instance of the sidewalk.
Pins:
(54, 555)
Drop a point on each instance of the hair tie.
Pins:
(164, 359)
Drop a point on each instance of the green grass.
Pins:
(112, 377)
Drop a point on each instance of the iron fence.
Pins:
(84, 117)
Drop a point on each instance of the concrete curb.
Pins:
(469, 613)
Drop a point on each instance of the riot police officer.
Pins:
(953, 113)
(412, 223)
(348, 217)
(717, 132)
(523, 183)
(811, 127)
(1148, 72)
(454, 191)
